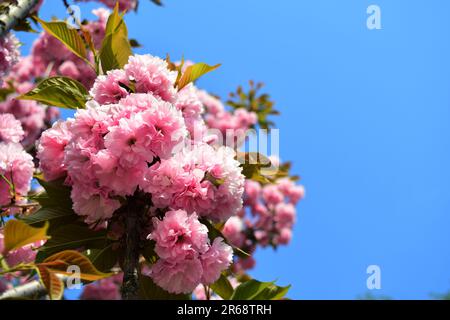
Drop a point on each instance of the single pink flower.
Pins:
(217, 259)
(179, 235)
(232, 230)
(10, 129)
(9, 54)
(50, 150)
(151, 75)
(177, 276)
(17, 166)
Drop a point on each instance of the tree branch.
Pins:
(30, 290)
(133, 226)
(15, 13)
(33, 289)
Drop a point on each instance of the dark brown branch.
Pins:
(133, 226)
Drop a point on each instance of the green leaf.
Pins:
(53, 267)
(25, 26)
(148, 290)
(251, 163)
(59, 262)
(223, 287)
(104, 259)
(67, 35)
(50, 214)
(5, 92)
(56, 206)
(59, 91)
(72, 236)
(116, 48)
(51, 281)
(115, 52)
(18, 234)
(253, 158)
(57, 193)
(194, 72)
(256, 290)
(253, 101)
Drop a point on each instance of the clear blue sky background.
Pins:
(365, 118)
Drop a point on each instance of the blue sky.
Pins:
(365, 119)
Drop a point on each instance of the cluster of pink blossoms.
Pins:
(10, 129)
(186, 256)
(9, 54)
(232, 126)
(120, 134)
(204, 180)
(269, 218)
(16, 165)
(106, 150)
(133, 136)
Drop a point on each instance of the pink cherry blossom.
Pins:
(179, 235)
(177, 276)
(244, 264)
(271, 195)
(162, 125)
(93, 204)
(217, 259)
(50, 150)
(9, 54)
(28, 112)
(109, 88)
(10, 129)
(92, 123)
(212, 104)
(233, 231)
(25, 254)
(284, 215)
(151, 75)
(104, 289)
(252, 192)
(283, 237)
(130, 140)
(294, 192)
(192, 108)
(22, 71)
(17, 166)
(186, 257)
(188, 102)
